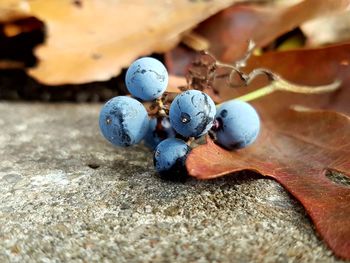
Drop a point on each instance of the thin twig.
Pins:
(284, 85)
(276, 82)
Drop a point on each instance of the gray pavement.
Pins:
(66, 195)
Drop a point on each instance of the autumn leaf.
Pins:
(93, 40)
(297, 149)
(298, 146)
(310, 67)
(229, 31)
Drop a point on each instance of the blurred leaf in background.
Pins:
(92, 40)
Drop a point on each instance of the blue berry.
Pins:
(192, 113)
(239, 124)
(159, 129)
(146, 78)
(123, 121)
(169, 158)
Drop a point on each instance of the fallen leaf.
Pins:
(229, 31)
(311, 67)
(296, 149)
(93, 40)
(296, 146)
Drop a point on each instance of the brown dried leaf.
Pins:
(92, 40)
(318, 66)
(297, 149)
(311, 67)
(229, 32)
(297, 146)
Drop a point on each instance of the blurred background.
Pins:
(77, 50)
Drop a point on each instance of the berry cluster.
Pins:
(124, 120)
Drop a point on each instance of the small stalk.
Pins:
(282, 85)
(161, 108)
(276, 83)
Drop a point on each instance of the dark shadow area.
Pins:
(93, 165)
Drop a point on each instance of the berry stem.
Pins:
(161, 108)
(282, 85)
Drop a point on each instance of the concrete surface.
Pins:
(66, 195)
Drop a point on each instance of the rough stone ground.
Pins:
(66, 195)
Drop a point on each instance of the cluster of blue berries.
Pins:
(124, 120)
